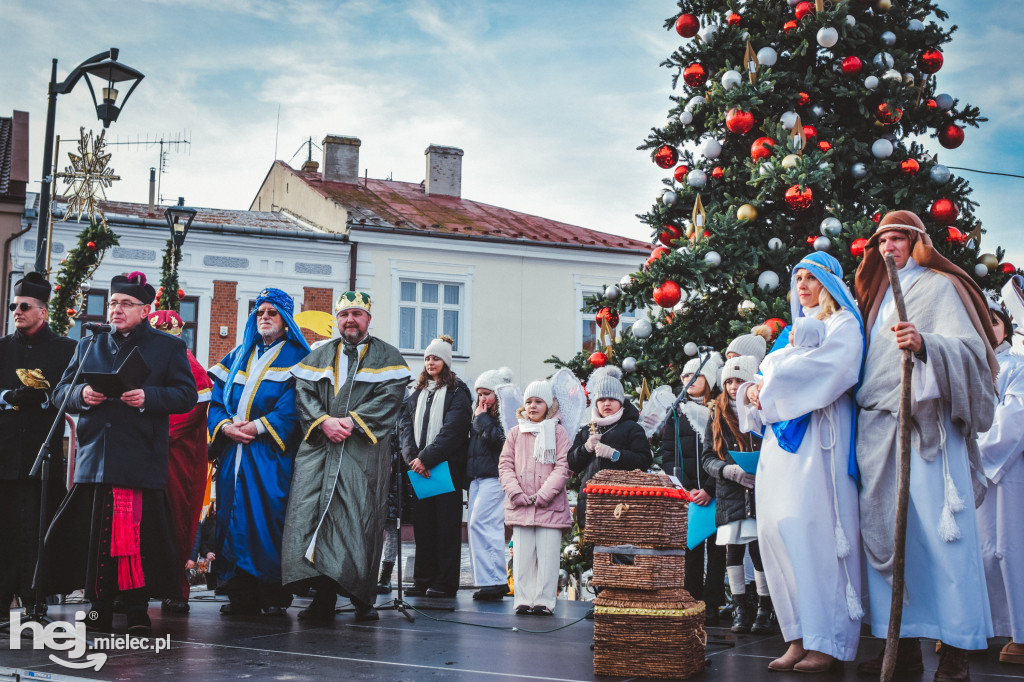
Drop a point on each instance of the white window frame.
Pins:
(463, 279)
(582, 292)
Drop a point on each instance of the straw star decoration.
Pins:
(88, 177)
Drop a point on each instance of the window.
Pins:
(590, 328)
(189, 313)
(426, 310)
(94, 309)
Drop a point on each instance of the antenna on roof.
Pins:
(166, 145)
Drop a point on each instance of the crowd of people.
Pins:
(309, 444)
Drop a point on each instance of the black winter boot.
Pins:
(763, 621)
(742, 614)
(384, 584)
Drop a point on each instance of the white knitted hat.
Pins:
(710, 370)
(441, 348)
(539, 389)
(743, 368)
(493, 378)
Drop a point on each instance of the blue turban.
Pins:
(284, 305)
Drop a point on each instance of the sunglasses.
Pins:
(271, 312)
(22, 306)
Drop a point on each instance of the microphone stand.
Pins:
(681, 398)
(41, 468)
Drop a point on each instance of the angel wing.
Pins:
(510, 399)
(656, 409)
(572, 399)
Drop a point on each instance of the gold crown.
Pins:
(352, 299)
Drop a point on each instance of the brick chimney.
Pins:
(341, 159)
(444, 171)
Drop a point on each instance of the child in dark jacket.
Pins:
(486, 514)
(735, 514)
(612, 440)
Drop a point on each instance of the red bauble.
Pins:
(680, 173)
(734, 19)
(598, 359)
(667, 294)
(607, 314)
(876, 216)
(776, 324)
(799, 199)
(931, 104)
(929, 61)
(954, 236)
(91, 246)
(695, 75)
(810, 131)
(739, 121)
(1007, 268)
(759, 150)
(851, 65)
(910, 166)
(696, 235)
(687, 25)
(944, 211)
(71, 312)
(789, 26)
(670, 234)
(717, 172)
(951, 136)
(824, 145)
(803, 9)
(666, 156)
(803, 99)
(181, 293)
(857, 247)
(810, 240)
(888, 114)
(656, 254)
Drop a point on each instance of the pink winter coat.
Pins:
(522, 476)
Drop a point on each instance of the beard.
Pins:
(352, 334)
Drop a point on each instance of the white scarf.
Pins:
(544, 444)
(610, 419)
(436, 418)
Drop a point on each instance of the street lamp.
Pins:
(107, 72)
(179, 219)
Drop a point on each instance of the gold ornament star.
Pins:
(88, 177)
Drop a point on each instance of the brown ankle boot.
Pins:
(953, 665)
(908, 659)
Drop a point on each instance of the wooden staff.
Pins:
(903, 486)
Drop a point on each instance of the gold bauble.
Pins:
(745, 307)
(790, 161)
(883, 5)
(746, 212)
(989, 261)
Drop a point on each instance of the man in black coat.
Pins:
(112, 534)
(26, 414)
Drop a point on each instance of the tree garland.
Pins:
(169, 295)
(76, 268)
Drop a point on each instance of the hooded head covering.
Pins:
(292, 334)
(166, 321)
(872, 280)
(33, 285)
(827, 270)
(133, 284)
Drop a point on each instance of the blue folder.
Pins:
(700, 523)
(746, 460)
(440, 482)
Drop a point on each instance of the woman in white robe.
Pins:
(808, 523)
(1000, 515)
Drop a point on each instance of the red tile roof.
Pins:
(209, 216)
(404, 205)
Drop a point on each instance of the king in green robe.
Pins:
(334, 525)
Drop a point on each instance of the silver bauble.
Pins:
(708, 32)
(764, 169)
(685, 117)
(713, 258)
(563, 577)
(696, 178)
(851, 20)
(695, 101)
(881, 149)
(85, 286)
(939, 174)
(712, 149)
(908, 79)
(871, 82)
(831, 226)
(669, 198)
(788, 120)
(745, 307)
(888, 38)
(944, 101)
(612, 292)
(892, 75)
(768, 280)
(827, 36)
(684, 250)
(629, 365)
(626, 282)
(858, 170)
(570, 551)
(884, 60)
(915, 25)
(816, 111)
(774, 244)
(980, 270)
(690, 348)
(642, 328)
(731, 79)
(822, 244)
(767, 56)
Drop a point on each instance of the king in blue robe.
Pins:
(254, 433)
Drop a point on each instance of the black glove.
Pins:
(25, 397)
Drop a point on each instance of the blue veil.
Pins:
(285, 306)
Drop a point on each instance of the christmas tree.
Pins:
(794, 126)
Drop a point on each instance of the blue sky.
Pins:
(549, 100)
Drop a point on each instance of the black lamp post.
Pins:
(107, 72)
(179, 219)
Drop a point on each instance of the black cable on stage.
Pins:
(513, 628)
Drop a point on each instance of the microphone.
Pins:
(98, 328)
(706, 349)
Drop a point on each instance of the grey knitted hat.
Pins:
(749, 344)
(743, 368)
(606, 382)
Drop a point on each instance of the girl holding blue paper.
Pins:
(808, 523)
(735, 512)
